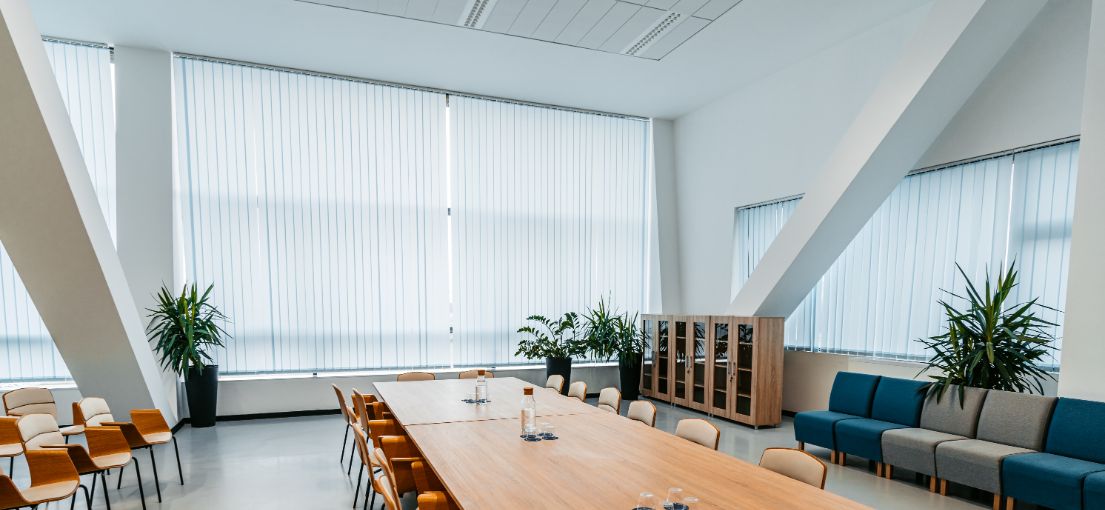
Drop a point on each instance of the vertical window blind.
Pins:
(550, 210)
(83, 73)
(880, 295)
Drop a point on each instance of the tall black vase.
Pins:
(561, 367)
(203, 395)
(630, 372)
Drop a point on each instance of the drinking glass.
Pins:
(548, 430)
(690, 502)
(647, 501)
(674, 500)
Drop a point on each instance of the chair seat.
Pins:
(863, 437)
(50, 492)
(914, 449)
(10, 450)
(1093, 491)
(158, 437)
(72, 430)
(1047, 479)
(112, 461)
(974, 462)
(816, 427)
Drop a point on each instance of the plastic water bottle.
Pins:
(529, 413)
(481, 386)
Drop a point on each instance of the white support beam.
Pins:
(942, 64)
(56, 234)
(1080, 374)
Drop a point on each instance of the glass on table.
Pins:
(690, 502)
(674, 500)
(647, 501)
(548, 431)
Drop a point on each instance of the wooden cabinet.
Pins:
(730, 367)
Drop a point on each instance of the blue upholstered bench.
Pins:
(897, 405)
(850, 399)
(1073, 453)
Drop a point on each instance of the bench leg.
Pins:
(997, 501)
(888, 470)
(943, 487)
(878, 469)
(801, 446)
(1010, 504)
(932, 484)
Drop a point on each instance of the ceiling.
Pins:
(638, 28)
(752, 40)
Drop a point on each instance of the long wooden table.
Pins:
(600, 461)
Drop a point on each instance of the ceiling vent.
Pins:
(657, 31)
(477, 13)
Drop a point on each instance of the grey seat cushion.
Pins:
(914, 449)
(953, 415)
(973, 462)
(1015, 419)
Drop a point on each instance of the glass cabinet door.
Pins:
(698, 364)
(743, 403)
(719, 365)
(679, 374)
(647, 362)
(662, 365)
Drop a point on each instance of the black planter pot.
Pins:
(630, 372)
(562, 367)
(203, 395)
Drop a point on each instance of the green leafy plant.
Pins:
(610, 333)
(185, 328)
(552, 338)
(990, 343)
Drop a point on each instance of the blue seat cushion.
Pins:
(1046, 479)
(1093, 491)
(1075, 430)
(863, 437)
(816, 427)
(899, 401)
(852, 393)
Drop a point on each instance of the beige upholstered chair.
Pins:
(93, 411)
(53, 478)
(11, 445)
(415, 376)
(643, 411)
(146, 429)
(699, 431)
(610, 399)
(795, 464)
(578, 390)
(555, 382)
(474, 373)
(24, 401)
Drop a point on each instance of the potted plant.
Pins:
(610, 334)
(990, 343)
(185, 328)
(555, 340)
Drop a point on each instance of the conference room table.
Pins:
(600, 460)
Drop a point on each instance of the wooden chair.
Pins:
(610, 399)
(578, 390)
(643, 411)
(555, 382)
(427, 500)
(399, 455)
(415, 376)
(107, 449)
(23, 401)
(699, 431)
(431, 492)
(53, 478)
(360, 441)
(350, 421)
(474, 373)
(11, 445)
(795, 464)
(146, 429)
(382, 484)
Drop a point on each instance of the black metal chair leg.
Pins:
(141, 490)
(103, 478)
(366, 491)
(178, 470)
(119, 484)
(357, 491)
(11, 466)
(66, 439)
(87, 496)
(344, 441)
(156, 482)
(352, 453)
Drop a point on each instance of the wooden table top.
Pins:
(423, 402)
(601, 461)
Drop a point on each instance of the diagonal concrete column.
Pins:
(953, 50)
(53, 228)
(1083, 349)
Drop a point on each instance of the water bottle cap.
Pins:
(481, 371)
(527, 391)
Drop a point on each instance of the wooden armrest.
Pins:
(149, 421)
(78, 415)
(130, 432)
(10, 497)
(50, 466)
(106, 440)
(435, 500)
(424, 478)
(9, 431)
(77, 454)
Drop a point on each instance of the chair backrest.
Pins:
(610, 399)
(9, 431)
(699, 431)
(899, 401)
(361, 441)
(1015, 419)
(36, 430)
(95, 411)
(795, 464)
(382, 484)
(25, 401)
(852, 393)
(346, 412)
(556, 382)
(415, 376)
(474, 373)
(1075, 430)
(643, 411)
(578, 390)
(954, 415)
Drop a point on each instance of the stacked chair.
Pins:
(10, 444)
(53, 478)
(24, 401)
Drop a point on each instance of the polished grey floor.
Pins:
(293, 463)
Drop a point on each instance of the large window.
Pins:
(353, 225)
(83, 73)
(880, 295)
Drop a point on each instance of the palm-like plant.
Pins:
(552, 338)
(610, 334)
(991, 343)
(185, 328)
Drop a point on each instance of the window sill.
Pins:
(386, 372)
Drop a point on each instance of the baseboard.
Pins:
(789, 413)
(264, 416)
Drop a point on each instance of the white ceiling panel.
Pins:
(449, 11)
(584, 21)
(531, 17)
(502, 15)
(676, 35)
(662, 4)
(421, 9)
(614, 19)
(639, 24)
(558, 19)
(715, 8)
(393, 7)
(685, 7)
